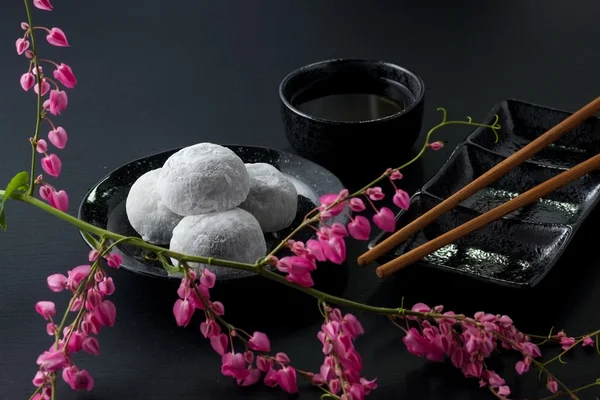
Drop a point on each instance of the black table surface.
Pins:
(155, 75)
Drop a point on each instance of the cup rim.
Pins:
(291, 107)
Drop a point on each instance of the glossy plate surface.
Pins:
(521, 248)
(104, 205)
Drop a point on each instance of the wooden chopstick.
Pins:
(522, 200)
(484, 180)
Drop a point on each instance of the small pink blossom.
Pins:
(64, 74)
(90, 345)
(24, 26)
(183, 311)
(114, 260)
(29, 54)
(37, 68)
(219, 343)
(396, 175)
(282, 358)
(46, 309)
(41, 146)
(207, 279)
(251, 379)
(57, 37)
(107, 286)
(58, 101)
(401, 199)
(42, 5)
(360, 228)
(435, 146)
(27, 81)
(375, 193)
(521, 367)
(78, 379)
(271, 378)
(210, 328)
(57, 282)
(286, 377)
(357, 205)
(264, 364)
(260, 342)
(59, 200)
(352, 325)
(385, 220)
(93, 255)
(503, 391)
(52, 361)
(329, 199)
(552, 385)
(52, 165)
(46, 191)
(106, 313)
(45, 87)
(58, 137)
(567, 342)
(315, 249)
(338, 229)
(234, 365)
(587, 341)
(22, 45)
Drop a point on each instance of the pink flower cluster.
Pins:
(245, 367)
(330, 244)
(56, 103)
(90, 287)
(342, 366)
(468, 342)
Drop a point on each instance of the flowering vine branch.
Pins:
(429, 332)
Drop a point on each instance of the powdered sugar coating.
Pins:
(273, 199)
(203, 178)
(232, 235)
(146, 212)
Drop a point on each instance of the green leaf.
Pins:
(171, 269)
(17, 183)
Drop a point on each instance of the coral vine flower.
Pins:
(59, 200)
(260, 342)
(46, 309)
(22, 45)
(43, 4)
(41, 146)
(385, 220)
(401, 199)
(45, 87)
(58, 137)
(359, 228)
(57, 102)
(57, 37)
(52, 165)
(64, 75)
(435, 146)
(27, 81)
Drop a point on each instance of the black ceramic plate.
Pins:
(104, 204)
(521, 248)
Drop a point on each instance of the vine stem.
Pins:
(39, 100)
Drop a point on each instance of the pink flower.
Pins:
(57, 37)
(357, 205)
(263, 364)
(42, 5)
(396, 175)
(210, 328)
(552, 385)
(304, 280)
(329, 199)
(505, 321)
(24, 26)
(78, 379)
(385, 220)
(401, 199)
(369, 385)
(40, 378)
(521, 367)
(352, 325)
(282, 358)
(106, 313)
(217, 307)
(46, 309)
(45, 87)
(37, 68)
(183, 311)
(375, 193)
(114, 260)
(27, 81)
(58, 137)
(260, 342)
(93, 255)
(435, 146)
(219, 343)
(359, 228)
(58, 101)
(251, 379)
(22, 45)
(271, 378)
(588, 341)
(59, 200)
(52, 361)
(90, 345)
(207, 279)
(286, 377)
(57, 282)
(41, 146)
(234, 365)
(107, 286)
(46, 191)
(503, 391)
(338, 229)
(416, 343)
(29, 54)
(52, 165)
(567, 342)
(64, 75)
(296, 265)
(315, 249)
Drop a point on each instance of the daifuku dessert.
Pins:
(146, 212)
(232, 235)
(272, 200)
(203, 178)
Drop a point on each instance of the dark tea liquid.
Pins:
(378, 100)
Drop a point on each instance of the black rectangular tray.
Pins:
(521, 248)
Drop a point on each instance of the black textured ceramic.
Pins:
(519, 249)
(342, 143)
(104, 204)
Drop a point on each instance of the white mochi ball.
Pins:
(232, 235)
(203, 178)
(273, 199)
(146, 212)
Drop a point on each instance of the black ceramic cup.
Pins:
(346, 112)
